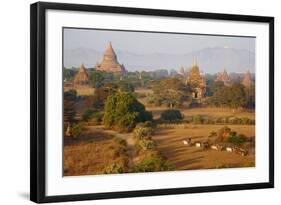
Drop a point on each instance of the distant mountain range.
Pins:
(210, 60)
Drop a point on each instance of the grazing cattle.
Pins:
(187, 142)
(205, 145)
(243, 152)
(229, 149)
(198, 144)
(214, 147)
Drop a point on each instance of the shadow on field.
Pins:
(187, 162)
(88, 137)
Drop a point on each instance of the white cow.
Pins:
(229, 149)
(185, 142)
(214, 147)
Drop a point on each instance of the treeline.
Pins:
(234, 96)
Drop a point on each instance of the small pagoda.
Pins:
(247, 81)
(223, 77)
(82, 77)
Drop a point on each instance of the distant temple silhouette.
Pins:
(223, 77)
(247, 81)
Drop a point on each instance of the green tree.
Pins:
(69, 101)
(171, 115)
(233, 96)
(250, 97)
(123, 111)
(69, 73)
(171, 92)
(126, 86)
(152, 163)
(96, 79)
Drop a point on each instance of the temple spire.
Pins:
(110, 62)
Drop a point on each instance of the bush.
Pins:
(147, 144)
(197, 119)
(119, 148)
(141, 132)
(92, 116)
(171, 115)
(152, 164)
(223, 133)
(237, 139)
(76, 130)
(114, 168)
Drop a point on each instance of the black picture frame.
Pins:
(38, 100)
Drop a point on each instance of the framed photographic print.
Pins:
(129, 102)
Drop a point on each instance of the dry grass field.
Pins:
(170, 144)
(96, 149)
(91, 153)
(82, 91)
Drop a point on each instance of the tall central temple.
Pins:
(110, 62)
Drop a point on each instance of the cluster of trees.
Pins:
(171, 92)
(234, 96)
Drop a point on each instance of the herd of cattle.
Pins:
(216, 146)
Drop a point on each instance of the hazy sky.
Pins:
(144, 43)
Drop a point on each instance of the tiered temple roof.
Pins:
(194, 77)
(81, 77)
(247, 81)
(197, 82)
(110, 62)
(223, 77)
(182, 71)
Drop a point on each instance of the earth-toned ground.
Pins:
(183, 157)
(92, 151)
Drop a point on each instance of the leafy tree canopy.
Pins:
(123, 111)
(171, 92)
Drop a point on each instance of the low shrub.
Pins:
(197, 119)
(142, 132)
(223, 133)
(119, 147)
(237, 139)
(147, 144)
(114, 168)
(76, 130)
(92, 116)
(151, 164)
(171, 115)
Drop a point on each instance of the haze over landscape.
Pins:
(200, 115)
(151, 51)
